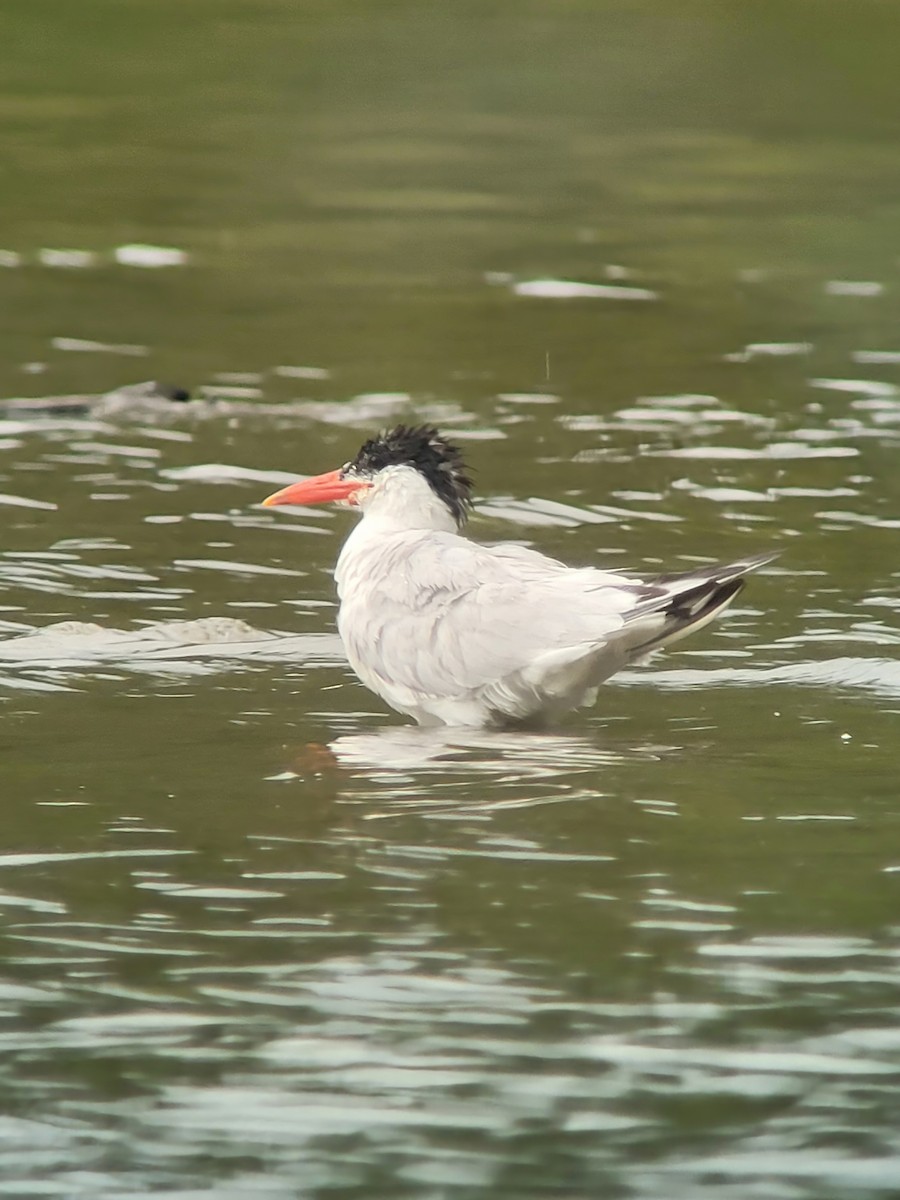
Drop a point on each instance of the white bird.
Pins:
(454, 633)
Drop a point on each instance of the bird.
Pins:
(452, 632)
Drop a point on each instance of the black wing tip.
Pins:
(719, 572)
(754, 561)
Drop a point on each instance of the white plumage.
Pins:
(454, 633)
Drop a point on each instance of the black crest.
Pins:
(422, 447)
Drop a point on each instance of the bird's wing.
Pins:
(443, 617)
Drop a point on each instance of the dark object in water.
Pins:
(169, 391)
(150, 395)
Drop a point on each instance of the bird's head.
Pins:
(390, 470)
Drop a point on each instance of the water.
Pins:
(259, 937)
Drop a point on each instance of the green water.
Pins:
(261, 939)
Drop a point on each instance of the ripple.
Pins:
(154, 257)
(41, 858)
(775, 450)
(316, 373)
(192, 646)
(539, 512)
(67, 259)
(225, 473)
(879, 675)
(754, 350)
(844, 1172)
(858, 387)
(25, 502)
(876, 357)
(87, 346)
(566, 289)
(864, 288)
(780, 1061)
(236, 568)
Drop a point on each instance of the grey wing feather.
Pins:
(444, 617)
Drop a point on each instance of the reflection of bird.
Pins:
(508, 754)
(454, 633)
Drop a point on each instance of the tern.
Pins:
(450, 632)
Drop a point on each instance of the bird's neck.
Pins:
(401, 500)
(395, 513)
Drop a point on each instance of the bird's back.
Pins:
(453, 632)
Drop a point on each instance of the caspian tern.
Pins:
(454, 633)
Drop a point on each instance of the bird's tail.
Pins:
(685, 602)
(665, 609)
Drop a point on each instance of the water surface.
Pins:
(259, 937)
